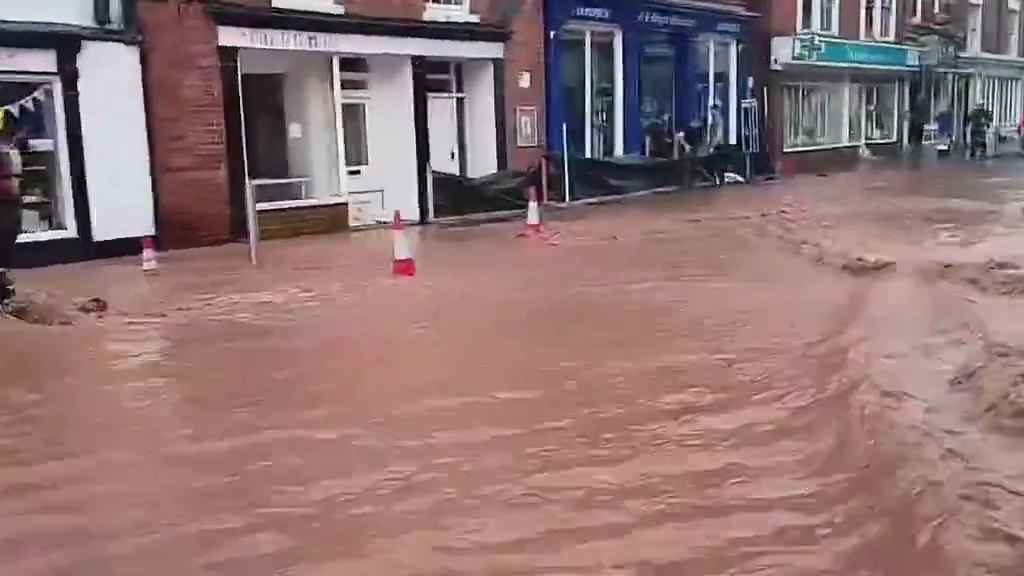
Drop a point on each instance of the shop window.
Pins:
(722, 116)
(973, 27)
(879, 20)
(657, 99)
(591, 91)
(713, 64)
(1002, 97)
(856, 113)
(880, 112)
(814, 115)
(291, 140)
(29, 122)
(818, 16)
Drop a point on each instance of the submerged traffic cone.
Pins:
(533, 225)
(149, 263)
(404, 264)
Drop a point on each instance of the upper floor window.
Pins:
(879, 20)
(818, 16)
(974, 26)
(1013, 28)
(450, 10)
(917, 9)
(326, 6)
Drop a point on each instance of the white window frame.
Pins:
(918, 11)
(845, 93)
(875, 32)
(974, 41)
(895, 112)
(816, 17)
(325, 6)
(63, 161)
(459, 11)
(620, 133)
(1013, 32)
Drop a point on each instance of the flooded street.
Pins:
(816, 376)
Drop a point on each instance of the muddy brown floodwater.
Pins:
(820, 376)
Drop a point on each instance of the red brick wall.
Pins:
(186, 121)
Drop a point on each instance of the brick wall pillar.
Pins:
(186, 124)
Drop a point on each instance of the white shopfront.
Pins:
(104, 169)
(331, 118)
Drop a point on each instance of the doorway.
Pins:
(445, 116)
(443, 127)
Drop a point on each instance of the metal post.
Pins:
(544, 178)
(565, 159)
(430, 193)
(252, 221)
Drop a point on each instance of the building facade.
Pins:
(973, 56)
(71, 99)
(626, 76)
(333, 113)
(838, 81)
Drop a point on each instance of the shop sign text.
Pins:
(592, 13)
(666, 20)
(813, 48)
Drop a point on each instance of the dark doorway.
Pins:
(265, 129)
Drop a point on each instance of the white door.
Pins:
(443, 127)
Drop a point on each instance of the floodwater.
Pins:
(710, 383)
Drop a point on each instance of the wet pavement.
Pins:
(815, 376)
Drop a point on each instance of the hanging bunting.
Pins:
(28, 102)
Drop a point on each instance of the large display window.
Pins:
(591, 85)
(828, 114)
(32, 120)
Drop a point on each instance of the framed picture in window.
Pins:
(526, 126)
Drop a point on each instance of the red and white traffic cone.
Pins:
(149, 262)
(404, 264)
(534, 228)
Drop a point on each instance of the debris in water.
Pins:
(93, 306)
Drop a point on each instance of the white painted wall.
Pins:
(481, 125)
(117, 165)
(392, 134)
(76, 12)
(308, 102)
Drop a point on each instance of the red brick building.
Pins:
(838, 79)
(331, 111)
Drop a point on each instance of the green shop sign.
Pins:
(823, 50)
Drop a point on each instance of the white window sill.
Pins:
(441, 14)
(308, 203)
(819, 147)
(28, 237)
(888, 141)
(322, 6)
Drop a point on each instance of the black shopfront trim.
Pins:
(226, 14)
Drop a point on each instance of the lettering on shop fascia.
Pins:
(592, 13)
(285, 39)
(671, 20)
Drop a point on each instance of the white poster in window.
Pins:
(526, 126)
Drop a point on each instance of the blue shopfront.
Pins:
(626, 77)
